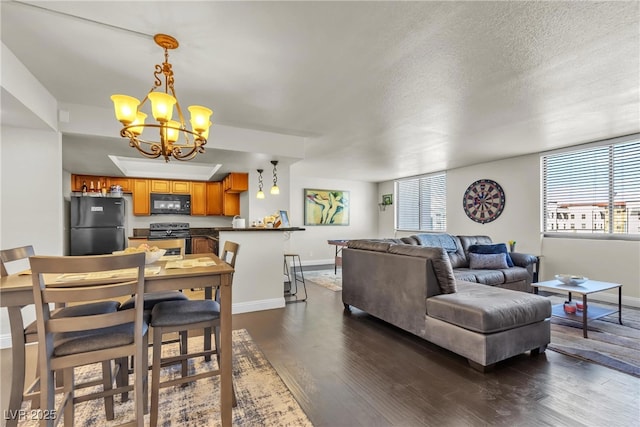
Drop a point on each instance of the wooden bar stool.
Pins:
(292, 271)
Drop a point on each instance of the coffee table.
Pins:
(590, 312)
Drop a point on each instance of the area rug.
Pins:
(263, 398)
(325, 278)
(609, 343)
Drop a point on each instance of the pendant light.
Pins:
(260, 194)
(275, 190)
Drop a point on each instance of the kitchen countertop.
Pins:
(141, 233)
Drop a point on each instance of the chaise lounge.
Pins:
(414, 288)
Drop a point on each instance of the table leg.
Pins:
(208, 294)
(226, 389)
(17, 365)
(584, 315)
(335, 263)
(620, 304)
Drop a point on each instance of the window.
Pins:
(421, 203)
(600, 182)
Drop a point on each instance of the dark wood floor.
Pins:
(354, 370)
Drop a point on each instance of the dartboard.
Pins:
(483, 201)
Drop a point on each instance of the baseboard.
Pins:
(611, 299)
(259, 305)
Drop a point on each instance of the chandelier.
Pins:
(170, 144)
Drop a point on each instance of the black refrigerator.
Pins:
(97, 225)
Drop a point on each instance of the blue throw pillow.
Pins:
(498, 248)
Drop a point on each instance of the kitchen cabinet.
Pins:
(125, 183)
(236, 182)
(198, 198)
(160, 186)
(202, 245)
(207, 197)
(141, 197)
(214, 198)
(78, 180)
(181, 187)
(230, 204)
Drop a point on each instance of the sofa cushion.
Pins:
(515, 274)
(486, 277)
(459, 257)
(492, 249)
(486, 309)
(439, 260)
(369, 245)
(487, 261)
(437, 240)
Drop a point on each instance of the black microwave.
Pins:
(179, 204)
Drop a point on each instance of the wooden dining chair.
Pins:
(170, 244)
(17, 259)
(151, 299)
(66, 343)
(182, 316)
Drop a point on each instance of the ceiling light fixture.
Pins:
(128, 112)
(275, 189)
(260, 194)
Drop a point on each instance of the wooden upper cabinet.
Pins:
(160, 186)
(141, 204)
(236, 182)
(214, 198)
(78, 180)
(198, 198)
(181, 187)
(125, 183)
(230, 204)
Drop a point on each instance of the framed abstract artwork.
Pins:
(326, 207)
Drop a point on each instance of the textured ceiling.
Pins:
(380, 90)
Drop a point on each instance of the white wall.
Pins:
(605, 260)
(312, 244)
(32, 206)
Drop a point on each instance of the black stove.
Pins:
(171, 230)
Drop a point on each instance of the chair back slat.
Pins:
(230, 252)
(170, 244)
(13, 255)
(61, 292)
(95, 321)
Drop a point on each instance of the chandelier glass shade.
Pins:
(275, 190)
(174, 139)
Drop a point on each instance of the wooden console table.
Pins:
(339, 244)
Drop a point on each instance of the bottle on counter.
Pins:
(92, 188)
(84, 188)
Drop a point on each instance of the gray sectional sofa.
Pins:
(414, 287)
(518, 277)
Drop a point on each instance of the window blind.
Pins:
(593, 191)
(421, 203)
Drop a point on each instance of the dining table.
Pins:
(205, 271)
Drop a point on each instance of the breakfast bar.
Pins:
(258, 280)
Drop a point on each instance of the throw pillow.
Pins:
(498, 248)
(487, 261)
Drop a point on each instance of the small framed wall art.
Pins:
(326, 207)
(284, 219)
